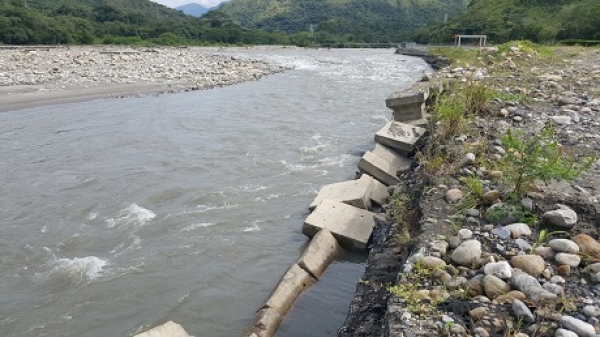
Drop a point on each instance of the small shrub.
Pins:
(539, 157)
(478, 98)
(451, 115)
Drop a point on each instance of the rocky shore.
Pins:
(89, 71)
(463, 254)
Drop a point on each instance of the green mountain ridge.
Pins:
(114, 21)
(535, 20)
(355, 20)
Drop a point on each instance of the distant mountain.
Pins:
(193, 9)
(353, 20)
(535, 20)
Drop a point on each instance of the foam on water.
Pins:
(132, 214)
(196, 226)
(252, 228)
(75, 270)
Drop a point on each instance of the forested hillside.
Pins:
(116, 21)
(344, 20)
(535, 20)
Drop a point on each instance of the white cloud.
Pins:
(176, 3)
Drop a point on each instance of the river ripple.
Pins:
(120, 214)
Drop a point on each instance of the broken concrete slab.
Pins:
(291, 285)
(169, 329)
(380, 193)
(399, 136)
(320, 253)
(418, 93)
(351, 226)
(384, 164)
(390, 155)
(355, 193)
(379, 168)
(265, 324)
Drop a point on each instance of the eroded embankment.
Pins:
(494, 232)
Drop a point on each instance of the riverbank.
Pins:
(458, 259)
(37, 76)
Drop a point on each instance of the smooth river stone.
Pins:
(571, 260)
(500, 269)
(581, 328)
(531, 264)
(467, 253)
(564, 246)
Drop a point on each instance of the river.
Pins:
(119, 214)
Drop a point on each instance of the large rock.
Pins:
(581, 328)
(320, 253)
(356, 193)
(494, 286)
(563, 217)
(169, 329)
(563, 246)
(467, 253)
(587, 245)
(399, 136)
(531, 287)
(351, 226)
(531, 264)
(265, 324)
(291, 285)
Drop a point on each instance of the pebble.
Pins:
(531, 287)
(453, 242)
(523, 245)
(454, 195)
(564, 246)
(581, 328)
(587, 245)
(480, 332)
(591, 311)
(564, 333)
(571, 260)
(531, 264)
(563, 217)
(500, 269)
(561, 120)
(501, 232)
(522, 228)
(478, 313)
(465, 234)
(491, 196)
(545, 252)
(494, 287)
(467, 253)
(522, 311)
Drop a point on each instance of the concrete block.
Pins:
(380, 193)
(418, 93)
(169, 329)
(377, 167)
(400, 162)
(399, 136)
(265, 324)
(291, 285)
(409, 112)
(320, 253)
(355, 193)
(351, 226)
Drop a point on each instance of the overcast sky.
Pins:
(175, 3)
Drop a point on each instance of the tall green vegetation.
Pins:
(343, 21)
(114, 21)
(535, 20)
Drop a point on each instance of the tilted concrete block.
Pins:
(409, 112)
(385, 170)
(354, 192)
(418, 93)
(399, 136)
(351, 226)
(265, 324)
(380, 193)
(320, 253)
(400, 162)
(291, 285)
(169, 329)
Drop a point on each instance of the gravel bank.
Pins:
(34, 76)
(481, 271)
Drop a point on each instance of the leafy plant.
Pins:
(475, 191)
(539, 157)
(451, 114)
